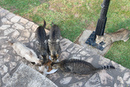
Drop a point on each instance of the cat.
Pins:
(54, 42)
(26, 53)
(122, 34)
(43, 45)
(76, 66)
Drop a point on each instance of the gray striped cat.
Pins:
(54, 42)
(76, 66)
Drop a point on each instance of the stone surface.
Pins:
(25, 76)
(23, 21)
(8, 31)
(15, 19)
(18, 26)
(3, 27)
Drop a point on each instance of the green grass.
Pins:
(74, 16)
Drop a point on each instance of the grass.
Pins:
(74, 16)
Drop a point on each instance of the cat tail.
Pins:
(44, 25)
(106, 67)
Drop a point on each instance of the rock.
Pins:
(3, 12)
(25, 76)
(3, 69)
(64, 55)
(29, 24)
(34, 27)
(18, 26)
(32, 37)
(6, 78)
(126, 76)
(7, 59)
(15, 34)
(65, 80)
(8, 31)
(94, 81)
(54, 76)
(3, 27)
(77, 84)
(12, 65)
(10, 15)
(15, 19)
(84, 53)
(23, 21)
(64, 43)
(25, 33)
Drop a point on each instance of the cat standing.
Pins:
(54, 42)
(43, 45)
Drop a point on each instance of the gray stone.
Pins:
(3, 51)
(15, 19)
(3, 69)
(25, 33)
(8, 31)
(18, 26)
(64, 44)
(54, 76)
(7, 59)
(29, 24)
(77, 84)
(126, 76)
(3, 12)
(23, 21)
(34, 27)
(25, 76)
(3, 27)
(3, 37)
(0, 83)
(84, 53)
(84, 36)
(65, 80)
(15, 34)
(105, 77)
(94, 81)
(32, 36)
(12, 65)
(6, 78)
(64, 55)
(5, 21)
(10, 15)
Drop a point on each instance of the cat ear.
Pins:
(57, 41)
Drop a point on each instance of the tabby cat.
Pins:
(54, 42)
(78, 66)
(43, 45)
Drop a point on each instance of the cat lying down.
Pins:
(26, 53)
(80, 67)
(108, 39)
